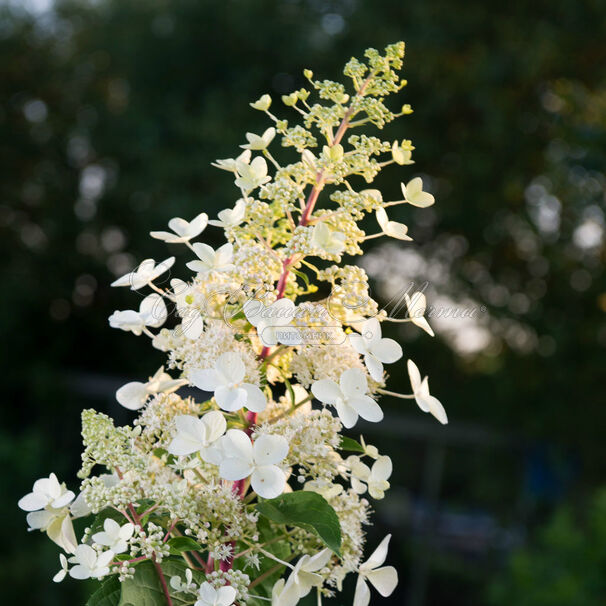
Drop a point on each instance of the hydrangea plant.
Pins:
(246, 491)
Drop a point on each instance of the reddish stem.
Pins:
(315, 192)
(210, 565)
(137, 521)
(251, 417)
(202, 563)
(131, 561)
(172, 527)
(162, 582)
(239, 486)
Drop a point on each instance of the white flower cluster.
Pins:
(199, 489)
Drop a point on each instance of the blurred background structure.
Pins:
(110, 114)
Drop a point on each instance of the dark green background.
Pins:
(146, 94)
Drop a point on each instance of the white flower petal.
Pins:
(207, 593)
(206, 379)
(397, 230)
(268, 481)
(230, 367)
(226, 595)
(126, 531)
(384, 580)
(199, 267)
(382, 469)
(357, 486)
(224, 255)
(367, 408)
(61, 531)
(417, 305)
(386, 350)
(237, 444)
(424, 324)
(255, 398)
(197, 225)
(191, 435)
(80, 508)
(165, 235)
(178, 225)
(347, 414)
(318, 560)
(153, 310)
(358, 343)
(192, 325)
(132, 395)
(254, 311)
(362, 595)
(205, 253)
(371, 331)
(215, 424)
(353, 382)
(60, 576)
(378, 556)
(414, 194)
(213, 454)
(79, 572)
(327, 391)
(235, 469)
(422, 396)
(104, 559)
(280, 312)
(375, 368)
(415, 375)
(230, 399)
(382, 219)
(33, 501)
(65, 499)
(270, 449)
(436, 409)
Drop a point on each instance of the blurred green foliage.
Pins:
(564, 563)
(110, 114)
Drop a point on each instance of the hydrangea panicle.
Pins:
(247, 492)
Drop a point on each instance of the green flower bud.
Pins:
(334, 153)
(401, 155)
(262, 104)
(290, 100)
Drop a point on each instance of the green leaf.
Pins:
(162, 452)
(308, 510)
(291, 393)
(179, 544)
(107, 595)
(301, 275)
(144, 588)
(310, 287)
(144, 505)
(267, 531)
(350, 444)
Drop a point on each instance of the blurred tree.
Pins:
(111, 112)
(563, 565)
